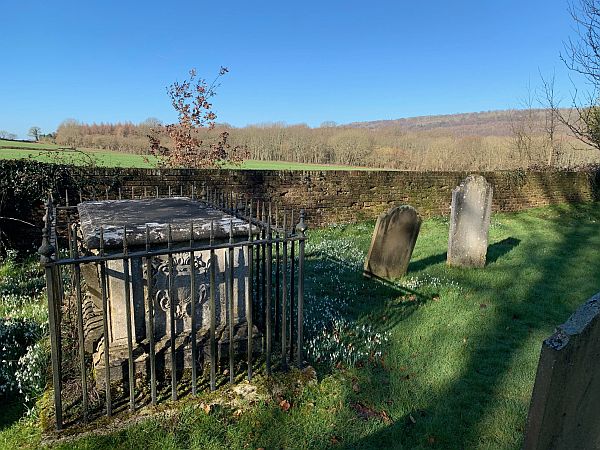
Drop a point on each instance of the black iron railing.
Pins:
(273, 280)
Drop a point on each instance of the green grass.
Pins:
(459, 366)
(104, 158)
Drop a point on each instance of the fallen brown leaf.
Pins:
(366, 412)
(284, 405)
(205, 407)
(385, 417)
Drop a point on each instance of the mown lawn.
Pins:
(459, 347)
(50, 153)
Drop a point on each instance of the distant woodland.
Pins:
(475, 141)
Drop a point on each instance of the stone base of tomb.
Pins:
(119, 366)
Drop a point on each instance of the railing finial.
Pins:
(46, 250)
(301, 227)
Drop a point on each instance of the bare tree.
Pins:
(582, 56)
(552, 118)
(523, 127)
(34, 133)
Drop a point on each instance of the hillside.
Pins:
(487, 123)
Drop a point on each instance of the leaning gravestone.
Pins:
(565, 405)
(469, 222)
(392, 243)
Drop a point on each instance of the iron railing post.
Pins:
(47, 253)
(301, 228)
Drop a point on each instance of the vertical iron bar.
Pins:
(80, 335)
(301, 228)
(128, 317)
(250, 343)
(231, 304)
(212, 307)
(150, 327)
(268, 312)
(105, 326)
(120, 195)
(172, 314)
(277, 279)
(193, 298)
(284, 329)
(54, 241)
(70, 240)
(258, 311)
(157, 192)
(292, 286)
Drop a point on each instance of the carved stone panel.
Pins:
(174, 288)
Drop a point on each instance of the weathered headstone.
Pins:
(392, 243)
(470, 222)
(565, 405)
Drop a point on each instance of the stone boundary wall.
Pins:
(349, 196)
(327, 196)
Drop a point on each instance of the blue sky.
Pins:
(297, 62)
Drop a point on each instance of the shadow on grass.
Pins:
(380, 296)
(501, 248)
(495, 251)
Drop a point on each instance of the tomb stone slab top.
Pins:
(113, 216)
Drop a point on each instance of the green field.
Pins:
(104, 158)
(459, 347)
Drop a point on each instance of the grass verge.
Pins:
(51, 153)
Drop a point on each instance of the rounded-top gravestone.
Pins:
(470, 222)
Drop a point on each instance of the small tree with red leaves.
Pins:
(191, 100)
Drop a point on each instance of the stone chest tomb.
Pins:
(144, 292)
(155, 290)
